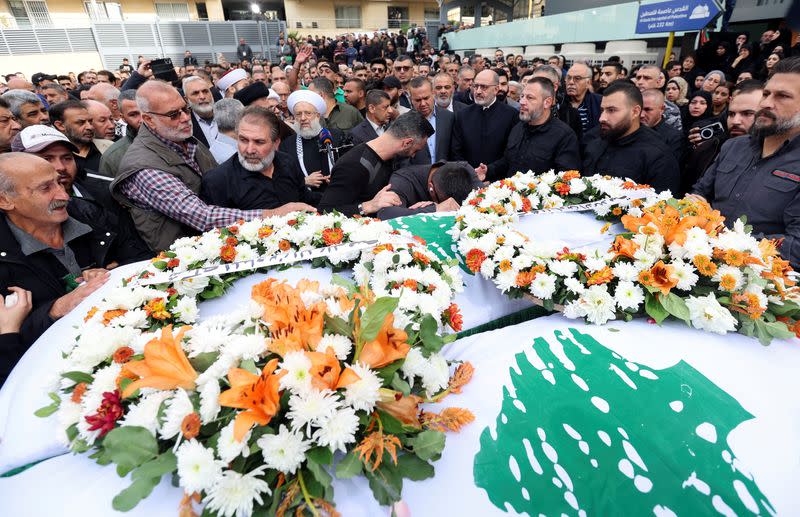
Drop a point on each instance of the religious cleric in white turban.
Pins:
(314, 147)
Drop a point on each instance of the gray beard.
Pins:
(778, 126)
(443, 103)
(205, 111)
(310, 132)
(256, 167)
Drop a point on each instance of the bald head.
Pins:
(105, 93)
(102, 120)
(484, 88)
(30, 194)
(15, 83)
(153, 93)
(164, 111)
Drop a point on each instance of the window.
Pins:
(172, 11)
(202, 12)
(348, 16)
(30, 13)
(431, 13)
(103, 11)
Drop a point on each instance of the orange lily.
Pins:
(258, 394)
(293, 325)
(403, 408)
(623, 247)
(388, 346)
(164, 367)
(660, 276)
(326, 371)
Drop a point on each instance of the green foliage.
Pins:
(654, 309)
(372, 320)
(349, 467)
(131, 446)
(78, 377)
(428, 445)
(50, 409)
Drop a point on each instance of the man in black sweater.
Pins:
(539, 142)
(360, 179)
(481, 131)
(626, 149)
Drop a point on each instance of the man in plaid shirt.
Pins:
(160, 175)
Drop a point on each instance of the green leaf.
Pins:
(321, 455)
(78, 377)
(428, 445)
(46, 411)
(413, 468)
(386, 484)
(787, 308)
(160, 265)
(250, 366)
(372, 320)
(203, 361)
(155, 468)
(766, 331)
(400, 385)
(130, 446)
(130, 497)
(319, 472)
(676, 306)
(391, 425)
(341, 281)
(349, 467)
(654, 309)
(429, 334)
(337, 325)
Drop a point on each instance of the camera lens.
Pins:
(706, 133)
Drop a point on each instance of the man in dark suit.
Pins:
(443, 91)
(379, 113)
(481, 130)
(438, 147)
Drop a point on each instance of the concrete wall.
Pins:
(373, 15)
(29, 64)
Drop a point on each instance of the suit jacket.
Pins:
(458, 106)
(363, 132)
(443, 136)
(197, 131)
(480, 136)
(464, 97)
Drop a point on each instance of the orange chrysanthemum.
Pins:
(475, 258)
(570, 175)
(748, 303)
(601, 276)
(284, 245)
(264, 232)
(91, 313)
(227, 253)
(705, 266)
(108, 316)
(258, 395)
(164, 367)
(123, 354)
(421, 258)
(525, 278)
(190, 425)
(157, 309)
(727, 282)
(78, 391)
(332, 236)
(454, 318)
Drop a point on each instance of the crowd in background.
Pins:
(105, 167)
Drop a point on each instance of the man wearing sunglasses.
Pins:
(160, 176)
(404, 71)
(378, 68)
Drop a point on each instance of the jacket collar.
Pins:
(157, 146)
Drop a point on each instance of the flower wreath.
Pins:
(247, 409)
(675, 259)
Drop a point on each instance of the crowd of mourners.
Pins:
(111, 167)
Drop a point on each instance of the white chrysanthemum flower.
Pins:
(284, 451)
(68, 413)
(228, 447)
(246, 346)
(192, 286)
(435, 374)
(364, 393)
(209, 400)
(341, 345)
(625, 271)
(707, 314)
(543, 286)
(186, 309)
(234, 494)
(628, 295)
(730, 272)
(574, 285)
(597, 304)
(506, 280)
(296, 364)
(595, 263)
(685, 273)
(209, 336)
(197, 468)
(413, 365)
(177, 408)
(312, 408)
(145, 412)
(576, 186)
(338, 430)
(572, 310)
(563, 267)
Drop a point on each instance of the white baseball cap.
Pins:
(37, 138)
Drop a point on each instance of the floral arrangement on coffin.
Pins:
(391, 268)
(504, 200)
(253, 411)
(676, 260)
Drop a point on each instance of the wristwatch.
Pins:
(361, 209)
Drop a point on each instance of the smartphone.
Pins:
(163, 69)
(710, 131)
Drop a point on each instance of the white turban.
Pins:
(273, 95)
(231, 78)
(307, 96)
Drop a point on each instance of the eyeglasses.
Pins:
(378, 69)
(402, 68)
(479, 86)
(305, 114)
(174, 114)
(575, 78)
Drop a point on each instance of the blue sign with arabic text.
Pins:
(677, 15)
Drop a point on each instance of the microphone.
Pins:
(325, 139)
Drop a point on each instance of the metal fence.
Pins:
(115, 41)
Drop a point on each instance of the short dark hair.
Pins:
(545, 84)
(672, 64)
(323, 86)
(403, 57)
(628, 89)
(748, 86)
(4, 103)
(411, 125)
(358, 82)
(126, 95)
(789, 65)
(64, 78)
(57, 110)
(375, 97)
(111, 77)
(455, 180)
(263, 116)
(418, 82)
(54, 86)
(616, 64)
(378, 61)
